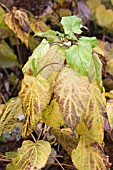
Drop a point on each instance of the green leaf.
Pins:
(10, 155)
(70, 92)
(2, 15)
(10, 115)
(79, 57)
(51, 115)
(35, 95)
(50, 35)
(95, 70)
(31, 156)
(66, 138)
(88, 155)
(71, 25)
(93, 116)
(92, 40)
(38, 53)
(7, 57)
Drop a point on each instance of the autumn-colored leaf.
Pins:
(66, 138)
(51, 115)
(14, 25)
(39, 26)
(93, 5)
(88, 155)
(109, 110)
(93, 116)
(70, 91)
(10, 115)
(22, 18)
(32, 65)
(35, 95)
(102, 16)
(32, 156)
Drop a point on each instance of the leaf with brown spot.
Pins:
(70, 91)
(39, 26)
(35, 95)
(14, 25)
(88, 155)
(9, 118)
(66, 138)
(22, 18)
(93, 116)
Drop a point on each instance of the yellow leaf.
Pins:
(35, 95)
(66, 138)
(10, 115)
(104, 16)
(56, 54)
(39, 26)
(64, 12)
(110, 67)
(107, 48)
(32, 156)
(88, 155)
(13, 24)
(109, 110)
(93, 5)
(93, 116)
(70, 91)
(112, 2)
(51, 115)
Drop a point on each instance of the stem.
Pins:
(33, 138)
(69, 166)
(46, 66)
(6, 160)
(58, 163)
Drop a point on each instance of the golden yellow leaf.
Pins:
(66, 138)
(54, 58)
(93, 5)
(64, 12)
(107, 48)
(51, 115)
(110, 66)
(109, 110)
(31, 156)
(70, 91)
(93, 117)
(104, 16)
(35, 95)
(13, 24)
(10, 115)
(39, 26)
(88, 155)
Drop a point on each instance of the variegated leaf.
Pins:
(70, 91)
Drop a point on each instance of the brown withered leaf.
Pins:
(14, 25)
(22, 18)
